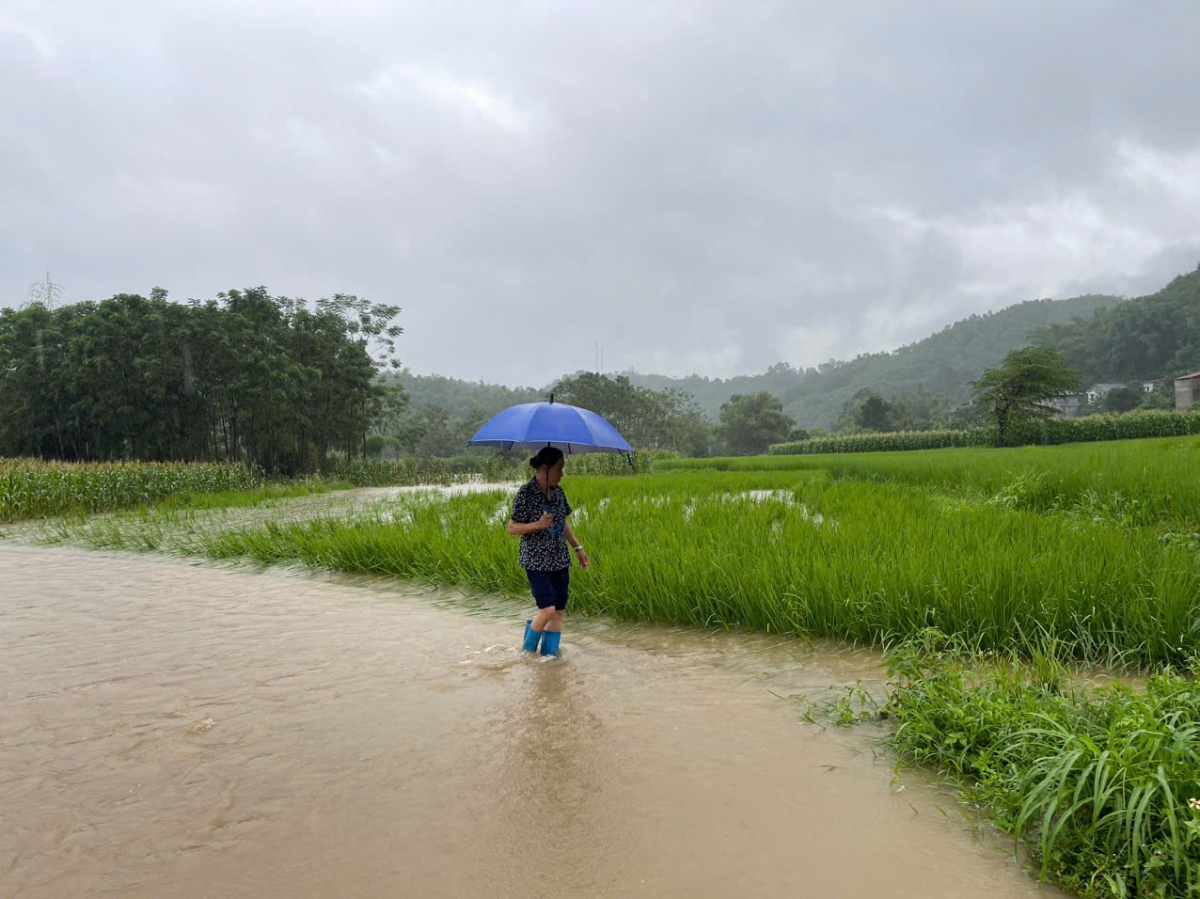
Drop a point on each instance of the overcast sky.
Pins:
(698, 185)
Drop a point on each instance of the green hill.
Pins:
(1107, 338)
(1150, 337)
(944, 363)
(462, 399)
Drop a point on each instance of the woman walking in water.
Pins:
(539, 518)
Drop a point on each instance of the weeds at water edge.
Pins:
(1102, 785)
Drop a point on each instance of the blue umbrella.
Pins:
(534, 425)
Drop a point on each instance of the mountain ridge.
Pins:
(943, 363)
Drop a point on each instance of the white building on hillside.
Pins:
(1097, 392)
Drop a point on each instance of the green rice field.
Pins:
(1090, 547)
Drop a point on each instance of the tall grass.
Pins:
(793, 552)
(34, 489)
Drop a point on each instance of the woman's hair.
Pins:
(548, 456)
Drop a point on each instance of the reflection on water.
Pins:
(181, 730)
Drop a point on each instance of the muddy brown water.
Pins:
(173, 729)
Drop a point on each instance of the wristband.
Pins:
(578, 548)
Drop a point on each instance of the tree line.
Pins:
(649, 419)
(268, 381)
(281, 385)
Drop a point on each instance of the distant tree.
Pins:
(648, 419)
(461, 398)
(1161, 397)
(1123, 399)
(428, 432)
(1019, 388)
(750, 423)
(1186, 360)
(388, 409)
(380, 447)
(866, 410)
(918, 410)
(632, 410)
(875, 414)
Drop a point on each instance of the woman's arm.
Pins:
(519, 530)
(528, 515)
(584, 563)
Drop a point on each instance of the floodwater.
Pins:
(172, 729)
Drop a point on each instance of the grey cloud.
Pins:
(691, 183)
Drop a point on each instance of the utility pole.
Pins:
(45, 292)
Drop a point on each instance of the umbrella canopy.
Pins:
(534, 425)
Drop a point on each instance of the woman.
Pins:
(539, 518)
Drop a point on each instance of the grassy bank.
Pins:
(1103, 784)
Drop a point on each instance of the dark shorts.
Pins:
(550, 588)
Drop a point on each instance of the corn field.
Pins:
(885, 443)
(34, 489)
(1049, 432)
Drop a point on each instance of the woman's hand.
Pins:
(520, 530)
(582, 555)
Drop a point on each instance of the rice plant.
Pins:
(1143, 482)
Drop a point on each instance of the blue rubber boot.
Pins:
(550, 641)
(531, 637)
